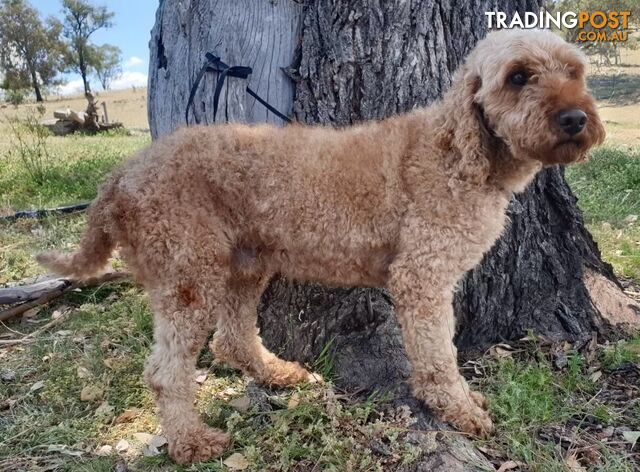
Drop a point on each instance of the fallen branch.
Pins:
(53, 289)
(26, 293)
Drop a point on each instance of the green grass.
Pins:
(528, 397)
(20, 240)
(72, 172)
(608, 185)
(622, 352)
(608, 191)
(104, 343)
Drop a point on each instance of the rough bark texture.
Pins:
(368, 59)
(260, 34)
(534, 277)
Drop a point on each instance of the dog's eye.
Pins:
(518, 78)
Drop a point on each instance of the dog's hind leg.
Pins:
(237, 342)
(182, 323)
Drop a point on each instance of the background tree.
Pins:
(106, 62)
(81, 20)
(31, 51)
(606, 51)
(337, 62)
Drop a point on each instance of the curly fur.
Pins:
(205, 216)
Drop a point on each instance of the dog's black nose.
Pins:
(572, 121)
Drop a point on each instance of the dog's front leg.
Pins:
(425, 312)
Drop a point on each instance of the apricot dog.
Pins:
(204, 218)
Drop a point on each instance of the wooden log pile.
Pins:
(68, 121)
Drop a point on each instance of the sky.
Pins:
(131, 33)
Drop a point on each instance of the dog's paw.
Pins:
(199, 445)
(473, 419)
(279, 373)
(314, 378)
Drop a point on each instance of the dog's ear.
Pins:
(471, 137)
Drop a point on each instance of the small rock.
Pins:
(122, 445)
(37, 386)
(236, 461)
(91, 393)
(242, 404)
(595, 376)
(104, 410)
(83, 373)
(294, 401)
(105, 450)
(631, 437)
(7, 375)
(151, 442)
(560, 360)
(200, 379)
(380, 448)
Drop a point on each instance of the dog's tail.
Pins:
(96, 245)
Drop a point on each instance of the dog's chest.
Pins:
(479, 225)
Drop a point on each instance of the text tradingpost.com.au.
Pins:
(593, 25)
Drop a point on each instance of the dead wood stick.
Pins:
(34, 334)
(59, 290)
(31, 291)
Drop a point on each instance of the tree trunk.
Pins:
(357, 60)
(34, 82)
(85, 82)
(82, 65)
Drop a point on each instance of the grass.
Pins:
(608, 191)
(530, 400)
(72, 172)
(608, 185)
(626, 351)
(103, 346)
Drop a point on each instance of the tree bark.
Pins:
(367, 59)
(260, 34)
(34, 81)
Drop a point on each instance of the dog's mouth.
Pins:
(571, 142)
(566, 151)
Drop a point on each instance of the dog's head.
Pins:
(527, 92)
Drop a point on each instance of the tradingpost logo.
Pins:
(593, 26)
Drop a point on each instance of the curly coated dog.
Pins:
(205, 217)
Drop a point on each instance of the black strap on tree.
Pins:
(214, 64)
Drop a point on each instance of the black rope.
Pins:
(214, 64)
(46, 212)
